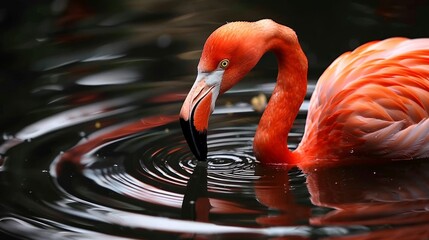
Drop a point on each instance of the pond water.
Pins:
(92, 146)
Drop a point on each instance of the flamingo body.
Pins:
(371, 103)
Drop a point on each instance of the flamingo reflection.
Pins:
(376, 196)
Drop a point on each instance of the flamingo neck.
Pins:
(270, 143)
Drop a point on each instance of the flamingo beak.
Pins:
(196, 110)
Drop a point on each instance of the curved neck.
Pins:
(270, 143)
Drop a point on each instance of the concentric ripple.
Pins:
(110, 175)
(156, 176)
(138, 179)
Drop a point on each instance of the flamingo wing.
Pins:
(372, 102)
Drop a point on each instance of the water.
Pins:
(92, 146)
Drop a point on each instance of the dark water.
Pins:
(92, 147)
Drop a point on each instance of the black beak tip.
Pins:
(196, 140)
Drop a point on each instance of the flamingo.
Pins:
(371, 103)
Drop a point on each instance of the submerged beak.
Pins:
(195, 113)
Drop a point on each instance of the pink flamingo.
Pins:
(371, 103)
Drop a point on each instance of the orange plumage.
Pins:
(372, 103)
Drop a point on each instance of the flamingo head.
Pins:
(228, 55)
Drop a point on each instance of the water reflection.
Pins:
(391, 199)
(196, 204)
(396, 193)
(285, 196)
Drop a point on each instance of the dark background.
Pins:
(45, 42)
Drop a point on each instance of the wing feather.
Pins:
(373, 101)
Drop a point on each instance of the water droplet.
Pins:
(352, 151)
(374, 173)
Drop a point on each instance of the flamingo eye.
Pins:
(224, 63)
